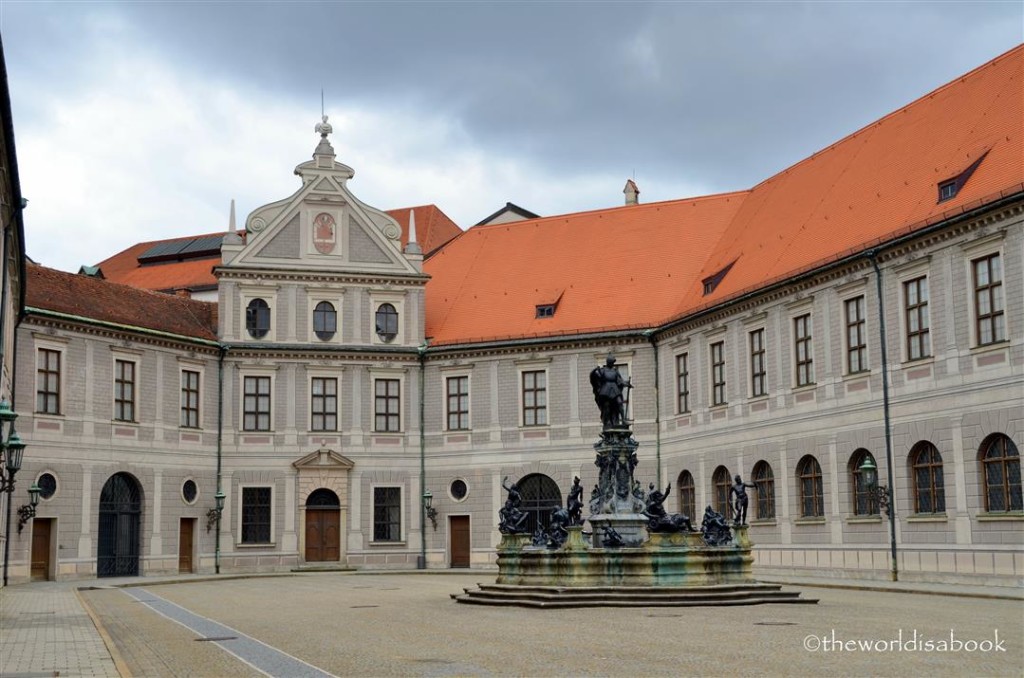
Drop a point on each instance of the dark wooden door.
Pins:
(41, 549)
(459, 526)
(185, 545)
(323, 535)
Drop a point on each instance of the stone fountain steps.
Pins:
(628, 596)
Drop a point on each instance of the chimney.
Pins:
(632, 193)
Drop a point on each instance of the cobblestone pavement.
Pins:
(405, 624)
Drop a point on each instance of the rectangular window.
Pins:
(915, 301)
(256, 513)
(324, 404)
(988, 299)
(718, 373)
(189, 399)
(256, 411)
(387, 405)
(758, 371)
(682, 383)
(457, 391)
(48, 382)
(535, 398)
(124, 390)
(856, 338)
(387, 514)
(804, 350)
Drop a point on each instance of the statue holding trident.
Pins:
(609, 393)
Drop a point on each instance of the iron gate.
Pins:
(120, 511)
(540, 496)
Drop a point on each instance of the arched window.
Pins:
(721, 482)
(764, 486)
(322, 499)
(926, 470)
(387, 322)
(257, 318)
(687, 495)
(540, 496)
(808, 473)
(325, 320)
(1000, 463)
(865, 503)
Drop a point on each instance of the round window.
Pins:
(189, 491)
(458, 489)
(47, 485)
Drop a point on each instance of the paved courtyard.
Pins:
(405, 625)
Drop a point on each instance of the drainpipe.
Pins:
(220, 436)
(893, 571)
(657, 403)
(421, 351)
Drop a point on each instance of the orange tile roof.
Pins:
(433, 227)
(98, 299)
(642, 266)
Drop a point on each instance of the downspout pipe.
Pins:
(220, 446)
(657, 403)
(894, 568)
(421, 563)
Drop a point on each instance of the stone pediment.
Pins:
(324, 459)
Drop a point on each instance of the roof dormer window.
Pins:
(947, 190)
(545, 310)
(711, 282)
(950, 187)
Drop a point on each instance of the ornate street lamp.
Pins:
(880, 493)
(11, 451)
(428, 499)
(213, 515)
(27, 512)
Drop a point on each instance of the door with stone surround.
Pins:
(323, 527)
(41, 548)
(459, 530)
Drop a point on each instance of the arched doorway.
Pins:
(540, 495)
(120, 514)
(323, 526)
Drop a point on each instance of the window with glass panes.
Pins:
(124, 390)
(535, 398)
(48, 382)
(325, 321)
(988, 299)
(387, 514)
(929, 488)
(758, 370)
(764, 488)
(856, 336)
(387, 406)
(721, 482)
(804, 350)
(718, 373)
(189, 399)
(812, 500)
(256, 404)
(457, 396)
(682, 384)
(864, 501)
(1000, 464)
(915, 304)
(687, 495)
(256, 515)
(324, 404)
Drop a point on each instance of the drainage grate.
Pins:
(353, 607)
(774, 623)
(664, 616)
(215, 639)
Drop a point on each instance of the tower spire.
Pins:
(412, 247)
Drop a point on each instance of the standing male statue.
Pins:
(739, 507)
(609, 393)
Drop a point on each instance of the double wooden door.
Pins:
(323, 535)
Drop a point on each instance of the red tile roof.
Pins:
(97, 299)
(641, 266)
(433, 227)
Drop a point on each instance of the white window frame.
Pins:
(904, 274)
(521, 415)
(187, 366)
(402, 395)
(396, 299)
(269, 295)
(981, 249)
(455, 374)
(323, 374)
(711, 342)
(750, 361)
(403, 525)
(60, 347)
(120, 355)
(845, 371)
(250, 372)
(335, 297)
(241, 511)
(813, 381)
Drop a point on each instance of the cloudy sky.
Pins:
(142, 120)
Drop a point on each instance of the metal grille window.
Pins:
(535, 398)
(929, 490)
(387, 514)
(812, 501)
(988, 299)
(718, 373)
(856, 336)
(721, 481)
(457, 391)
(189, 399)
(764, 486)
(256, 410)
(324, 404)
(804, 350)
(915, 302)
(1000, 462)
(48, 382)
(124, 390)
(387, 322)
(256, 515)
(541, 495)
(758, 371)
(387, 406)
(325, 320)
(257, 318)
(864, 501)
(682, 383)
(687, 495)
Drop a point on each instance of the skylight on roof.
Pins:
(207, 246)
(950, 187)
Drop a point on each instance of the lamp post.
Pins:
(428, 499)
(880, 493)
(213, 518)
(11, 451)
(27, 512)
